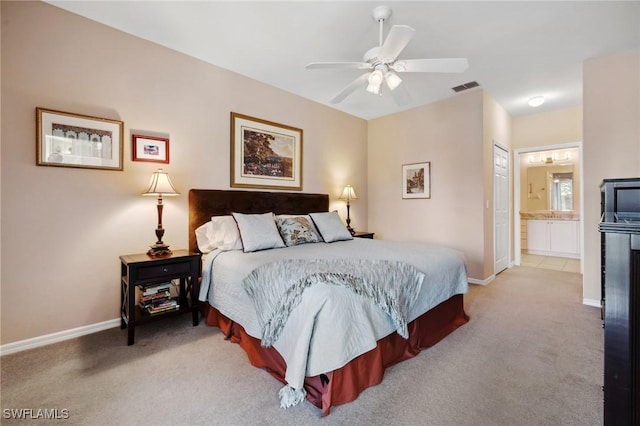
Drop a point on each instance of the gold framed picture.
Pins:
(64, 139)
(265, 154)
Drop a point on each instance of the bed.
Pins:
(336, 337)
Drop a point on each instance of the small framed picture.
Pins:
(416, 180)
(150, 148)
(65, 139)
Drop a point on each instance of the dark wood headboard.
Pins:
(204, 203)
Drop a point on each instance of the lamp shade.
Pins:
(160, 185)
(392, 79)
(375, 80)
(348, 193)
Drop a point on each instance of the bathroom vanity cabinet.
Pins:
(550, 237)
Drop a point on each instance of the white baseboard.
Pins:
(481, 282)
(60, 336)
(592, 302)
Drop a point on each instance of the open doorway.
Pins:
(548, 207)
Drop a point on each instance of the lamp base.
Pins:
(159, 250)
(351, 230)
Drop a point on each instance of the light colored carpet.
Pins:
(532, 354)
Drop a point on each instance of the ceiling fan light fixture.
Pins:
(372, 88)
(392, 80)
(375, 80)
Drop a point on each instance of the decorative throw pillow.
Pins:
(297, 230)
(258, 231)
(330, 226)
(306, 216)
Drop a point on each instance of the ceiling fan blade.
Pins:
(351, 87)
(326, 65)
(400, 95)
(431, 65)
(397, 39)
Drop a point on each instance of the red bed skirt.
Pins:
(345, 384)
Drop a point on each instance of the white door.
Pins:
(501, 208)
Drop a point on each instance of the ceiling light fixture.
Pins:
(536, 101)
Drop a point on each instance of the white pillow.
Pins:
(225, 232)
(204, 238)
(330, 226)
(258, 231)
(221, 232)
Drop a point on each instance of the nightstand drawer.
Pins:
(164, 270)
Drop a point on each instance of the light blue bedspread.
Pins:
(331, 325)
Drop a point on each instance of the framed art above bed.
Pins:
(265, 154)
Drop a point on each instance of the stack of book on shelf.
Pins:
(156, 298)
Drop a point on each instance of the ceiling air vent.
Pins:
(465, 86)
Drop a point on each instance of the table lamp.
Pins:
(349, 194)
(160, 185)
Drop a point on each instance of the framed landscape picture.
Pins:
(64, 139)
(265, 154)
(150, 148)
(416, 180)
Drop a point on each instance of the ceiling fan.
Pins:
(382, 63)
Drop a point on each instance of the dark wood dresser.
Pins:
(620, 230)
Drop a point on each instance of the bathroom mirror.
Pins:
(550, 187)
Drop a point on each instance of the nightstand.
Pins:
(144, 272)
(364, 235)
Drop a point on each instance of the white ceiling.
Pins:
(515, 49)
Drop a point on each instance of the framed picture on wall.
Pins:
(265, 154)
(416, 180)
(64, 139)
(150, 148)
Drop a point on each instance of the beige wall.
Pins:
(449, 135)
(62, 228)
(611, 90)
(548, 128)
